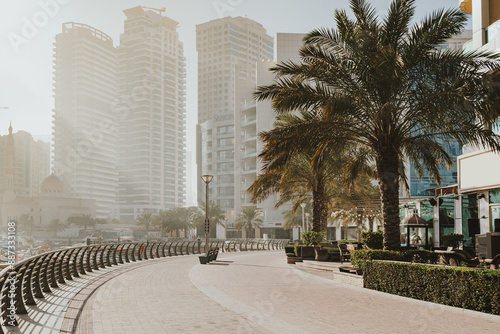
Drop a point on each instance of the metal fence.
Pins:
(38, 275)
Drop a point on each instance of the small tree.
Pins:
(145, 219)
(249, 218)
(56, 225)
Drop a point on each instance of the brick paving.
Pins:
(245, 292)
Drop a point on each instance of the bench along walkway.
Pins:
(34, 293)
(257, 292)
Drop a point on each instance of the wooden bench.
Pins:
(204, 259)
(210, 256)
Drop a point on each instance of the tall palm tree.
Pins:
(165, 219)
(182, 219)
(313, 174)
(217, 216)
(145, 219)
(249, 218)
(387, 91)
(82, 220)
(56, 225)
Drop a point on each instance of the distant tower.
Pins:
(228, 52)
(152, 111)
(84, 144)
(9, 166)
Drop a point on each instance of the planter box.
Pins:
(308, 252)
(292, 260)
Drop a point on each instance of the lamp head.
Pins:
(207, 178)
(303, 205)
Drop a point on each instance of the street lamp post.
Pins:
(207, 179)
(307, 221)
(302, 205)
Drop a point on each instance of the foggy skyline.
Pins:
(26, 69)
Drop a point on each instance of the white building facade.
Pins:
(150, 115)
(84, 139)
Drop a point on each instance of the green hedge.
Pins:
(373, 240)
(359, 257)
(472, 289)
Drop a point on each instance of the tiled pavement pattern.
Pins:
(251, 292)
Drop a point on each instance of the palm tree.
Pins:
(293, 218)
(217, 216)
(56, 225)
(145, 219)
(387, 91)
(249, 218)
(165, 218)
(82, 220)
(182, 219)
(311, 175)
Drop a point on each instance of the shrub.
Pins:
(311, 238)
(373, 240)
(360, 257)
(452, 240)
(472, 289)
(297, 250)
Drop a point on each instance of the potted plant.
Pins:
(311, 240)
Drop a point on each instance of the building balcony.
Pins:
(492, 32)
(468, 46)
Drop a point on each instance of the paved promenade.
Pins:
(250, 292)
(257, 292)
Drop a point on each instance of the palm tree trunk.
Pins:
(388, 176)
(319, 207)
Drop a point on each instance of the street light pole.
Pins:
(307, 221)
(207, 179)
(302, 205)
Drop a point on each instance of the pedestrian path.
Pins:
(243, 292)
(250, 292)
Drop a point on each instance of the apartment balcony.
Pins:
(249, 137)
(248, 120)
(492, 32)
(468, 46)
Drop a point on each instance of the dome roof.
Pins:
(52, 184)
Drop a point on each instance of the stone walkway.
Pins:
(246, 292)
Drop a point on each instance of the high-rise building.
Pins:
(84, 128)
(478, 211)
(24, 164)
(228, 52)
(418, 186)
(151, 115)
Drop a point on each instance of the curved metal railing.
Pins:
(32, 278)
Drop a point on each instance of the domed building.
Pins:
(52, 202)
(52, 185)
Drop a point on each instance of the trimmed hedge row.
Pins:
(359, 257)
(472, 289)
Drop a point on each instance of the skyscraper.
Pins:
(84, 128)
(151, 114)
(228, 52)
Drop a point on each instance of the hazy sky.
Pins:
(26, 54)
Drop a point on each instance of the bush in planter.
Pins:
(452, 240)
(297, 250)
(472, 289)
(311, 238)
(360, 257)
(373, 240)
